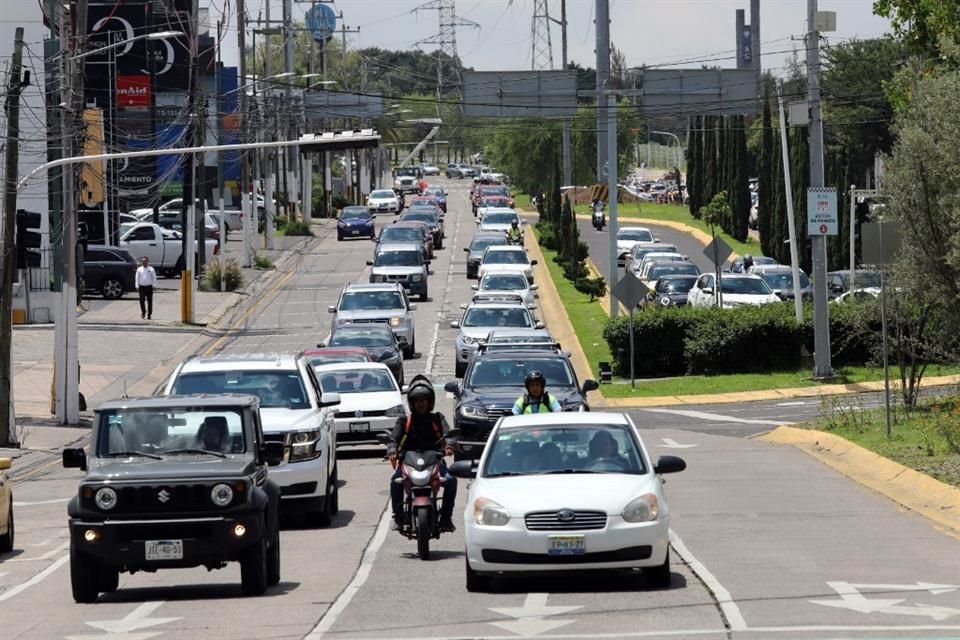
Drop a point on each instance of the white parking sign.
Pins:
(822, 211)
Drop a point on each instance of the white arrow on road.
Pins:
(670, 443)
(529, 619)
(715, 417)
(852, 599)
(139, 618)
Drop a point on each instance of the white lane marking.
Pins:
(529, 619)
(39, 502)
(359, 579)
(40, 577)
(670, 443)
(796, 403)
(728, 607)
(441, 318)
(715, 417)
(46, 556)
(139, 618)
(852, 599)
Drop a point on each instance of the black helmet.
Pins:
(421, 387)
(515, 223)
(747, 257)
(535, 376)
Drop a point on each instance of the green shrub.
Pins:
(593, 287)
(262, 262)
(547, 236)
(339, 201)
(232, 275)
(297, 228)
(659, 335)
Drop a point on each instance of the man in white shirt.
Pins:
(146, 281)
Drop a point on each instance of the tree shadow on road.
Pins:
(192, 592)
(582, 582)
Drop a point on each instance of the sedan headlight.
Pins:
(395, 411)
(304, 445)
(473, 412)
(395, 321)
(106, 498)
(221, 494)
(646, 508)
(489, 513)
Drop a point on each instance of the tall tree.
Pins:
(930, 28)
(778, 209)
(740, 202)
(694, 176)
(800, 179)
(765, 186)
(710, 185)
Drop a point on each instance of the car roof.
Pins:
(519, 332)
(567, 418)
(399, 246)
(320, 351)
(406, 224)
(506, 247)
(482, 235)
(497, 304)
(242, 361)
(378, 286)
(622, 229)
(339, 366)
(164, 402)
(773, 268)
(740, 276)
(501, 210)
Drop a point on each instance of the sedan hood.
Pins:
(749, 298)
(279, 419)
(369, 401)
(397, 271)
(169, 469)
(608, 492)
(375, 314)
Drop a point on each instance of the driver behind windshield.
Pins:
(603, 448)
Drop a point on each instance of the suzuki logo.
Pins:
(163, 496)
(358, 413)
(566, 515)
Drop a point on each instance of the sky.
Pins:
(649, 32)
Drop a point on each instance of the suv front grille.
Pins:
(551, 520)
(369, 320)
(353, 414)
(160, 498)
(397, 278)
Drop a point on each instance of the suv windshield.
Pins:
(640, 235)
(504, 282)
(357, 381)
(676, 285)
(158, 432)
(503, 317)
(276, 389)
(494, 191)
(505, 257)
(370, 300)
(506, 372)
(746, 285)
(420, 217)
(675, 269)
(577, 449)
(783, 280)
(398, 259)
(479, 246)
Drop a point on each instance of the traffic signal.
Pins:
(27, 239)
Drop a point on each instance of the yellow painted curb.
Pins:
(934, 500)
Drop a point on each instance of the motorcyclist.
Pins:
(747, 263)
(422, 430)
(513, 233)
(536, 399)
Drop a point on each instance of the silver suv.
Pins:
(384, 303)
(294, 412)
(482, 317)
(403, 264)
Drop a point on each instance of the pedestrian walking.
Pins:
(146, 281)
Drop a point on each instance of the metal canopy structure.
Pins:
(339, 140)
(697, 91)
(319, 105)
(520, 94)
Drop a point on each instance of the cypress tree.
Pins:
(710, 185)
(800, 177)
(740, 203)
(778, 208)
(693, 165)
(765, 185)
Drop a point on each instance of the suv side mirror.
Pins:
(467, 249)
(329, 399)
(669, 464)
(463, 469)
(412, 306)
(533, 262)
(590, 385)
(369, 263)
(452, 387)
(332, 309)
(273, 453)
(75, 459)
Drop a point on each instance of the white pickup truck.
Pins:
(161, 246)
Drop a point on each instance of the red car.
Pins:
(335, 355)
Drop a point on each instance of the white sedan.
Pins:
(370, 401)
(738, 289)
(628, 237)
(500, 258)
(566, 492)
(383, 201)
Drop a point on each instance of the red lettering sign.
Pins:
(133, 91)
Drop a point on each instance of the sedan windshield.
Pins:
(494, 191)
(783, 280)
(382, 195)
(357, 381)
(676, 268)
(638, 235)
(282, 389)
(504, 372)
(398, 259)
(423, 202)
(754, 286)
(357, 337)
(503, 317)
(152, 433)
(336, 358)
(478, 246)
(370, 300)
(505, 257)
(421, 217)
(504, 282)
(407, 234)
(352, 213)
(500, 218)
(585, 448)
(675, 285)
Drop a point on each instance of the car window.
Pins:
(142, 233)
(639, 235)
(566, 449)
(357, 381)
(478, 246)
(95, 255)
(679, 268)
(504, 282)
(158, 432)
(383, 194)
(317, 360)
(675, 285)
(420, 217)
(346, 337)
(370, 300)
(505, 257)
(355, 212)
(784, 280)
(401, 233)
(504, 372)
(398, 259)
(745, 285)
(500, 218)
(503, 317)
(276, 389)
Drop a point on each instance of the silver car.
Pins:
(403, 264)
(480, 318)
(507, 282)
(384, 303)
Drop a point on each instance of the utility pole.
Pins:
(14, 89)
(602, 27)
(612, 193)
(567, 162)
(822, 367)
(248, 201)
(187, 276)
(292, 154)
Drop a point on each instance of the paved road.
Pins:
(768, 543)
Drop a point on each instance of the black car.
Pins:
(174, 482)
(109, 271)
(431, 216)
(672, 290)
(493, 382)
(478, 245)
(379, 341)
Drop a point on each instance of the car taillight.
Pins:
(216, 250)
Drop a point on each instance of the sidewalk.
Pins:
(120, 352)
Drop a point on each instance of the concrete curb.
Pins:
(934, 500)
(701, 236)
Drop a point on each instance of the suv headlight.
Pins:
(395, 411)
(395, 321)
(221, 494)
(646, 508)
(376, 277)
(489, 513)
(468, 340)
(473, 412)
(576, 406)
(416, 277)
(304, 445)
(105, 498)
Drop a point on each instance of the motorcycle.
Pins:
(599, 219)
(421, 480)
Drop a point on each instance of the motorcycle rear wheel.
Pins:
(424, 532)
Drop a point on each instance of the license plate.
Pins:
(566, 545)
(354, 232)
(163, 549)
(359, 426)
